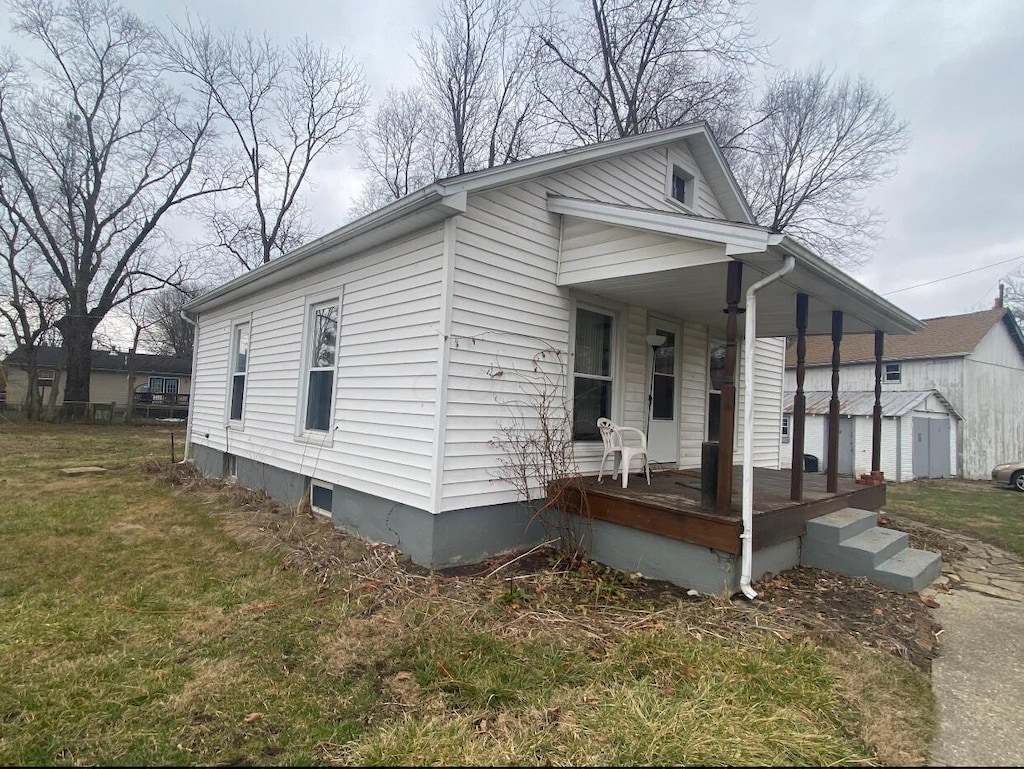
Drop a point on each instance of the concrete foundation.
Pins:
(469, 536)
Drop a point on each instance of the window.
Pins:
(45, 377)
(239, 364)
(323, 345)
(682, 186)
(785, 429)
(592, 374)
(321, 498)
(163, 385)
(716, 373)
(663, 386)
(892, 372)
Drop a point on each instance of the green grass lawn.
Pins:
(978, 508)
(144, 622)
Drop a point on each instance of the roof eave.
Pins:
(418, 209)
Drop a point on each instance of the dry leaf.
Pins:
(252, 717)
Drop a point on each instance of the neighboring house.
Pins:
(919, 431)
(975, 361)
(162, 382)
(375, 367)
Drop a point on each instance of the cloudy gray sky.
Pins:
(954, 70)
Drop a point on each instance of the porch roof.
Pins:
(688, 281)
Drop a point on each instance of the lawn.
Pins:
(151, 618)
(978, 508)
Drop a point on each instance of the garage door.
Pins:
(931, 448)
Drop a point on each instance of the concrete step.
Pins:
(833, 528)
(911, 570)
(848, 542)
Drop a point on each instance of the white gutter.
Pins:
(749, 338)
(192, 382)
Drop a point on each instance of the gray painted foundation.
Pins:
(699, 568)
(472, 535)
(434, 541)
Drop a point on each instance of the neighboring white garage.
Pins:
(919, 429)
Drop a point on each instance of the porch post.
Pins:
(727, 425)
(796, 429)
(876, 416)
(832, 480)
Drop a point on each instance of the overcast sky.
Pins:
(954, 70)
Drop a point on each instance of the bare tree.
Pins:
(401, 150)
(823, 142)
(29, 301)
(284, 107)
(1012, 294)
(624, 67)
(95, 149)
(477, 64)
(169, 333)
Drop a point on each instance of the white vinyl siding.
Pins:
(385, 397)
(506, 310)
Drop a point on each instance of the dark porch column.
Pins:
(876, 415)
(727, 425)
(796, 429)
(832, 480)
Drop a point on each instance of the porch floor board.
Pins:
(671, 505)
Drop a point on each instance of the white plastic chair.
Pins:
(611, 435)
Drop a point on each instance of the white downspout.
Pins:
(749, 338)
(192, 383)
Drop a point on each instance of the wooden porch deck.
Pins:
(670, 506)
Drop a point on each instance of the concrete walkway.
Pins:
(978, 679)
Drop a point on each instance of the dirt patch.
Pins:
(926, 538)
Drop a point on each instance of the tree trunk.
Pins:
(77, 334)
(32, 399)
(51, 403)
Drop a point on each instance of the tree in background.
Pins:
(30, 303)
(1012, 288)
(169, 333)
(805, 166)
(476, 105)
(283, 108)
(619, 68)
(96, 148)
(400, 150)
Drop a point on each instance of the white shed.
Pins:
(919, 429)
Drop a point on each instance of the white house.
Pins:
(975, 361)
(377, 364)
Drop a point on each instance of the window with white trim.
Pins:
(321, 498)
(682, 186)
(45, 377)
(592, 373)
(892, 373)
(320, 363)
(785, 429)
(239, 367)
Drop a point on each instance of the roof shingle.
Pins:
(944, 337)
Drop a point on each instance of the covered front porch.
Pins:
(738, 283)
(671, 506)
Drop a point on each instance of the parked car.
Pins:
(1010, 474)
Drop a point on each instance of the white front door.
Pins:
(663, 392)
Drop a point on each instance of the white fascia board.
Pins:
(530, 168)
(737, 238)
(810, 262)
(419, 209)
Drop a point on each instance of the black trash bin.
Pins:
(810, 463)
(709, 475)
